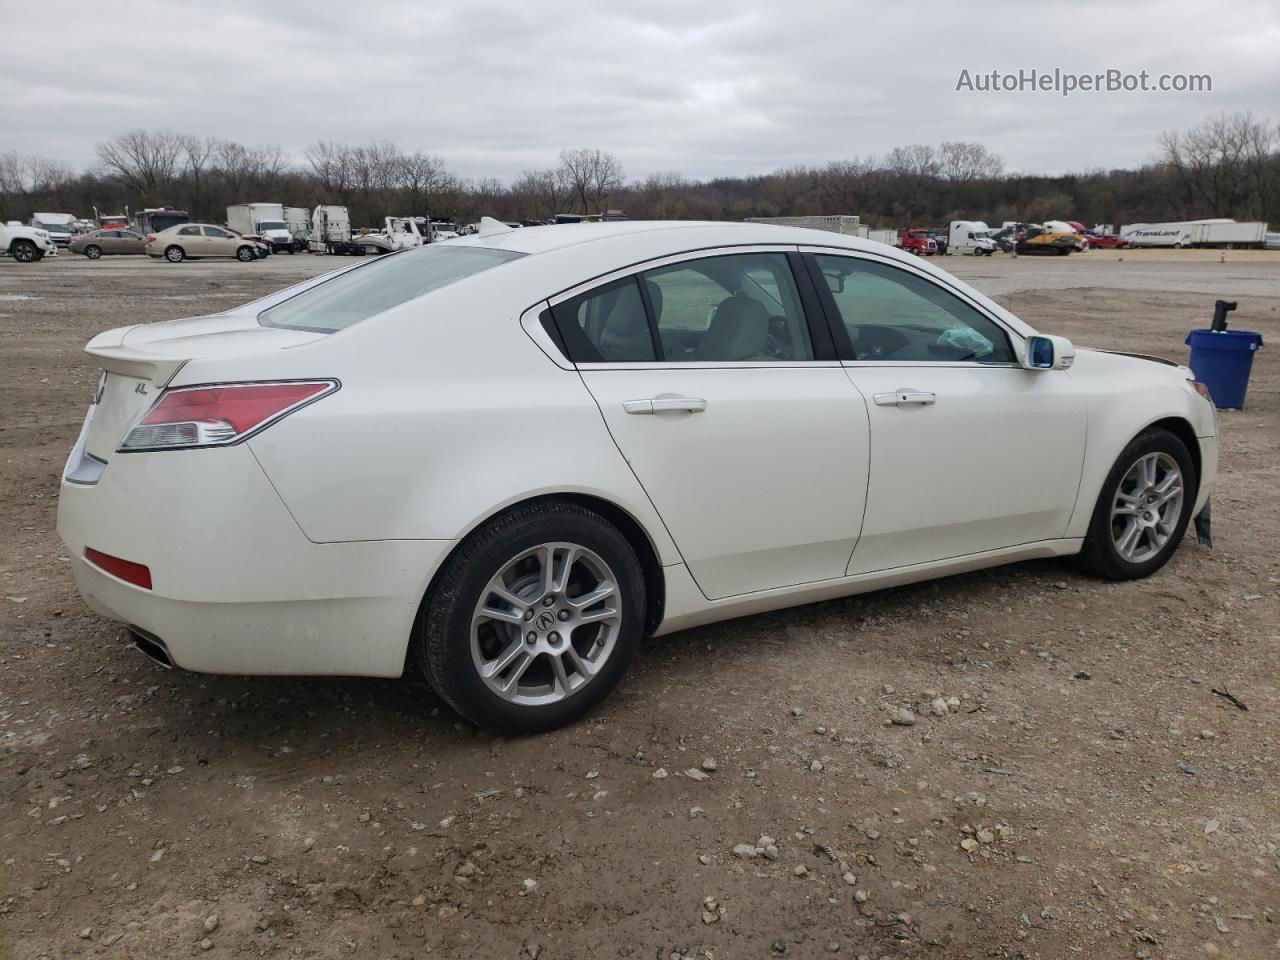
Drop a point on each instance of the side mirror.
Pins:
(1049, 353)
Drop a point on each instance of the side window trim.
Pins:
(841, 334)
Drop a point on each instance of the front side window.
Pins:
(216, 232)
(380, 285)
(895, 315)
(739, 308)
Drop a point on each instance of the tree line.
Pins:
(1227, 166)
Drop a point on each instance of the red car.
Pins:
(1107, 240)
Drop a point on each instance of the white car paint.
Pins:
(308, 547)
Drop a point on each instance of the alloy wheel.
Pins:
(1146, 507)
(546, 623)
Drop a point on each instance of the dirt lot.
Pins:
(1119, 807)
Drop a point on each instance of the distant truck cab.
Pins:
(970, 236)
(917, 240)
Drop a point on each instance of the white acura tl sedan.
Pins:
(506, 459)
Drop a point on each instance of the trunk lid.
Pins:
(140, 361)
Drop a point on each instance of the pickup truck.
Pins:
(918, 241)
(25, 244)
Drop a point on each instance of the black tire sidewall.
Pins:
(182, 254)
(24, 251)
(442, 638)
(240, 254)
(93, 252)
(1100, 554)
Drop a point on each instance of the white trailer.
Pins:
(265, 220)
(970, 236)
(1219, 233)
(843, 224)
(1172, 234)
(331, 231)
(884, 236)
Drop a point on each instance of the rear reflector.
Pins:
(126, 570)
(219, 415)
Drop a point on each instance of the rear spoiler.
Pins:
(111, 354)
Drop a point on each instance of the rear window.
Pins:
(385, 283)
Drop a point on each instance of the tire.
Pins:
(93, 251)
(175, 254)
(24, 251)
(1101, 554)
(454, 641)
(245, 254)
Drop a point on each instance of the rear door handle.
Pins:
(665, 405)
(900, 398)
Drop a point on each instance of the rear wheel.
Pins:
(534, 618)
(93, 251)
(24, 251)
(175, 254)
(1143, 509)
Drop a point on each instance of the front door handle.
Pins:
(665, 405)
(901, 398)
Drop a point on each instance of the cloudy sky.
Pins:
(703, 88)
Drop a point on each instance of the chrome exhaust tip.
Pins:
(151, 646)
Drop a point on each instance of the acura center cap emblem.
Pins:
(546, 620)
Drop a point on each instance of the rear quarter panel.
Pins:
(448, 412)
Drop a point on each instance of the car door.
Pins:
(219, 243)
(111, 242)
(970, 452)
(131, 242)
(717, 379)
(193, 242)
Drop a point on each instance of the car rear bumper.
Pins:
(236, 586)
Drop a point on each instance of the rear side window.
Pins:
(189, 232)
(380, 285)
(607, 325)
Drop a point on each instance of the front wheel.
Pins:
(93, 251)
(534, 618)
(24, 251)
(1143, 509)
(245, 254)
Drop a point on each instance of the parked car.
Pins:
(108, 243)
(197, 240)
(506, 459)
(1108, 240)
(26, 244)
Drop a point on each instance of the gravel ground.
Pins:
(1081, 791)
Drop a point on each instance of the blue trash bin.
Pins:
(1222, 360)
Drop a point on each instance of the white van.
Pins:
(970, 236)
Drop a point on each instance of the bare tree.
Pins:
(331, 163)
(594, 175)
(541, 194)
(966, 162)
(145, 160)
(197, 154)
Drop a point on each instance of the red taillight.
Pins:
(128, 571)
(219, 415)
(151, 239)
